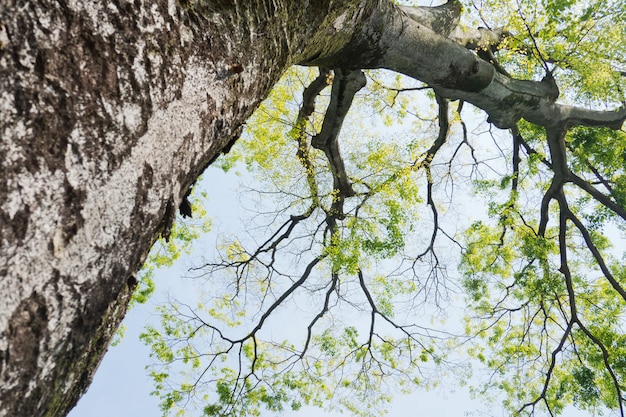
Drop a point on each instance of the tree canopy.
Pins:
(394, 198)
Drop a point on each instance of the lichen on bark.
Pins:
(110, 111)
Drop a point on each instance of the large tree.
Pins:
(111, 110)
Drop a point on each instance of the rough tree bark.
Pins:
(111, 109)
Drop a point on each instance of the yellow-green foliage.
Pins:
(371, 264)
(577, 38)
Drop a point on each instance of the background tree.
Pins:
(347, 241)
(111, 110)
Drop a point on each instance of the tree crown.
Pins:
(368, 221)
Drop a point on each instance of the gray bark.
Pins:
(111, 109)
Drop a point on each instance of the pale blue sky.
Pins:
(121, 386)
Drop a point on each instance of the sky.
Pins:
(121, 386)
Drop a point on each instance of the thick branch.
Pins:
(480, 38)
(345, 86)
(414, 49)
(308, 106)
(442, 19)
(311, 92)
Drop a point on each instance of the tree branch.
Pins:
(309, 95)
(345, 85)
(443, 19)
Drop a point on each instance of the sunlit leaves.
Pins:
(532, 322)
(229, 364)
(576, 38)
(544, 316)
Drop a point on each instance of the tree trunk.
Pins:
(110, 110)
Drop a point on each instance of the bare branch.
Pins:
(325, 308)
(444, 125)
(284, 296)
